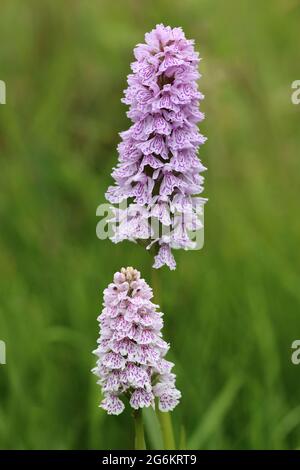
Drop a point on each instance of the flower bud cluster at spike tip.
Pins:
(158, 172)
(131, 349)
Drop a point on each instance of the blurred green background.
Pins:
(232, 309)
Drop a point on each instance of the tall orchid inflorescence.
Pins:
(158, 173)
(131, 349)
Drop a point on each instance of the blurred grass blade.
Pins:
(152, 429)
(213, 418)
(182, 438)
(290, 421)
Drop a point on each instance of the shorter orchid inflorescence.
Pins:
(131, 349)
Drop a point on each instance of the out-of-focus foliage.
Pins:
(232, 309)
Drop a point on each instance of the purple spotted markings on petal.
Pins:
(158, 154)
(131, 351)
(112, 404)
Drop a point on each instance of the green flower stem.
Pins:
(166, 427)
(139, 440)
(164, 418)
